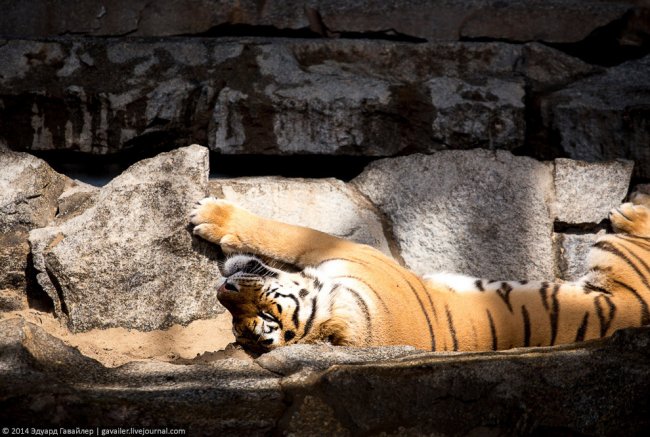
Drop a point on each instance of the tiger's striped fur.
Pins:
(351, 294)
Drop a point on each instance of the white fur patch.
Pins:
(456, 282)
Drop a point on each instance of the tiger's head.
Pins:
(271, 307)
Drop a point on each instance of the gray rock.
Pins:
(29, 189)
(449, 20)
(594, 388)
(604, 117)
(489, 114)
(130, 260)
(586, 192)
(474, 212)
(327, 205)
(524, 391)
(272, 96)
(572, 251)
(301, 357)
(43, 377)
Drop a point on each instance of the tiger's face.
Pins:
(265, 302)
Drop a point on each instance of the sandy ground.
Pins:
(116, 346)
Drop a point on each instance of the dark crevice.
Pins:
(604, 47)
(581, 228)
(98, 170)
(386, 35)
(239, 30)
(59, 290)
(36, 297)
(344, 168)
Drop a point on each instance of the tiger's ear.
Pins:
(335, 331)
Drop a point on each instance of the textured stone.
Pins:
(604, 117)
(478, 114)
(300, 357)
(593, 388)
(537, 20)
(130, 260)
(327, 205)
(29, 189)
(598, 388)
(474, 212)
(41, 377)
(572, 251)
(586, 192)
(271, 96)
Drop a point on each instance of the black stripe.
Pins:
(401, 272)
(542, 292)
(452, 328)
(479, 285)
(582, 330)
(645, 314)
(504, 293)
(555, 311)
(356, 278)
(524, 314)
(364, 307)
(524, 282)
(607, 247)
(604, 319)
(589, 287)
(310, 320)
(493, 330)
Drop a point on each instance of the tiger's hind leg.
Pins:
(632, 217)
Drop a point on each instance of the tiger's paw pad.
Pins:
(631, 219)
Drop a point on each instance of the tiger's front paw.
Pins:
(215, 220)
(631, 219)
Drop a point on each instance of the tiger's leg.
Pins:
(633, 217)
(238, 230)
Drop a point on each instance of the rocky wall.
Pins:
(363, 78)
(488, 138)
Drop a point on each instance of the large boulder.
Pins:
(605, 116)
(29, 190)
(492, 214)
(474, 212)
(130, 259)
(273, 96)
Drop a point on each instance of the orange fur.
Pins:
(348, 293)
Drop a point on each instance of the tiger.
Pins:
(285, 284)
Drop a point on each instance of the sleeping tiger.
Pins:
(346, 293)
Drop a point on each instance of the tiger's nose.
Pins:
(228, 286)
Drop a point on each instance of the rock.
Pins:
(29, 189)
(586, 192)
(489, 114)
(604, 117)
(550, 21)
(76, 199)
(44, 378)
(300, 357)
(572, 251)
(327, 205)
(272, 96)
(453, 210)
(130, 259)
(596, 388)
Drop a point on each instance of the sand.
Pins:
(117, 346)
